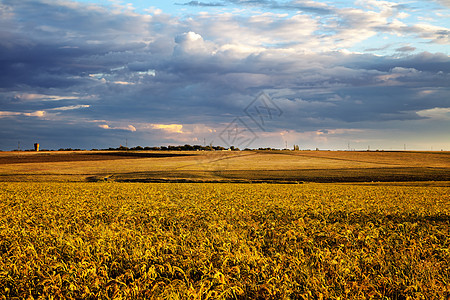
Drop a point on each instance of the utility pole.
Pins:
(18, 146)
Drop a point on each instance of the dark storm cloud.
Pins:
(56, 42)
(57, 134)
(88, 74)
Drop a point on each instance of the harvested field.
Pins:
(27, 158)
(219, 166)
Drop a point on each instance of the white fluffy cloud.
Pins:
(127, 128)
(38, 113)
(436, 113)
(173, 128)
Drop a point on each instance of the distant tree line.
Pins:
(186, 147)
(189, 148)
(175, 148)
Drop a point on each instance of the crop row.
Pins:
(223, 241)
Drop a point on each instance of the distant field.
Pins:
(219, 166)
(109, 240)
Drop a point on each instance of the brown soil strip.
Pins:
(69, 157)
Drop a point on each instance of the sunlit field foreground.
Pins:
(224, 241)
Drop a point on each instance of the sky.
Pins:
(246, 73)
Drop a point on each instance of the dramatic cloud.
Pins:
(197, 3)
(176, 128)
(406, 49)
(129, 127)
(307, 6)
(436, 113)
(445, 2)
(105, 74)
(38, 113)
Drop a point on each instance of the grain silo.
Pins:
(36, 147)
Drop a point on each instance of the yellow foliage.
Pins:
(223, 241)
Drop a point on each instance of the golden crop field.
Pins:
(223, 241)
